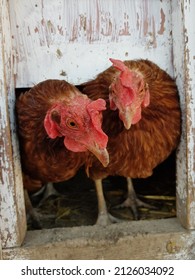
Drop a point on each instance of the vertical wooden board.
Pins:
(189, 12)
(74, 39)
(179, 61)
(1, 257)
(184, 66)
(12, 212)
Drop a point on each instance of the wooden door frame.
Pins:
(12, 210)
(183, 32)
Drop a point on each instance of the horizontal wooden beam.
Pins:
(71, 35)
(157, 239)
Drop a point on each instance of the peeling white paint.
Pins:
(184, 66)
(86, 33)
(12, 213)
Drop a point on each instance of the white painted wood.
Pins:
(184, 66)
(1, 257)
(12, 213)
(74, 39)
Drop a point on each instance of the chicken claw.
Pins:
(104, 218)
(31, 212)
(132, 201)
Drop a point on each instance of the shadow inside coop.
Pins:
(76, 204)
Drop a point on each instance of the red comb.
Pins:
(126, 74)
(118, 64)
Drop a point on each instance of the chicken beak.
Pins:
(101, 154)
(126, 116)
(127, 122)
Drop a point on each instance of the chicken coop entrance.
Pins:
(74, 40)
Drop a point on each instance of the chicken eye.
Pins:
(71, 123)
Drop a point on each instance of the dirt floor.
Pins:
(76, 203)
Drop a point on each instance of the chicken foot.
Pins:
(104, 218)
(132, 201)
(48, 191)
(31, 211)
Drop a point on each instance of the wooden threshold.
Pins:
(154, 239)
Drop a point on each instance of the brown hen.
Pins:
(58, 126)
(143, 95)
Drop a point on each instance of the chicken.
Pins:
(58, 126)
(143, 124)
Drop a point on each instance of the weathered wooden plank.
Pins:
(184, 64)
(0, 251)
(12, 212)
(74, 39)
(160, 239)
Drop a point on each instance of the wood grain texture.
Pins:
(74, 39)
(184, 68)
(12, 213)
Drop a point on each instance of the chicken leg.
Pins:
(33, 215)
(132, 201)
(104, 218)
(48, 191)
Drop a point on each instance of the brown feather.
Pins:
(44, 159)
(136, 152)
